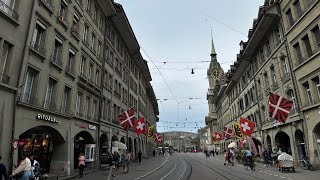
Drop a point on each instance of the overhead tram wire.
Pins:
(160, 74)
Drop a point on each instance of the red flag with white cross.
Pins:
(158, 137)
(279, 107)
(139, 126)
(127, 118)
(246, 126)
(218, 136)
(227, 132)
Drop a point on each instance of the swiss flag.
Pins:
(139, 126)
(246, 126)
(279, 107)
(127, 118)
(227, 132)
(158, 137)
(218, 136)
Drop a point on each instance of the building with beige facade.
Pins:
(68, 68)
(278, 57)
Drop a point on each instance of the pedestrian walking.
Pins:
(212, 152)
(154, 153)
(116, 157)
(140, 156)
(111, 163)
(3, 170)
(163, 151)
(216, 152)
(81, 164)
(126, 162)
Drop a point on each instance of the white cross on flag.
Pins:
(246, 126)
(279, 107)
(127, 118)
(139, 126)
(227, 132)
(158, 138)
(218, 136)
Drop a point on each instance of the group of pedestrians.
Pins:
(116, 160)
(24, 171)
(210, 152)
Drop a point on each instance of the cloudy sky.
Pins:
(175, 35)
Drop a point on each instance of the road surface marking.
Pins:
(169, 172)
(153, 170)
(185, 168)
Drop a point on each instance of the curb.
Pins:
(75, 175)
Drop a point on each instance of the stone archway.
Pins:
(282, 140)
(316, 133)
(81, 140)
(114, 138)
(123, 140)
(299, 136)
(130, 145)
(135, 145)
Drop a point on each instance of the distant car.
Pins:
(195, 151)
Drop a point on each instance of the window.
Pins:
(49, 92)
(316, 81)
(298, 53)
(266, 81)
(94, 106)
(101, 22)
(262, 55)
(78, 102)
(70, 62)
(38, 38)
(88, 8)
(82, 64)
(97, 77)
(85, 33)
(110, 82)
(108, 109)
(93, 41)
(99, 50)
(75, 23)
(273, 74)
(278, 35)
(5, 62)
(87, 107)
(309, 94)
(7, 7)
(63, 13)
(316, 34)
(65, 100)
(285, 67)
(307, 45)
(268, 48)
(289, 17)
(57, 51)
(28, 86)
(94, 15)
(90, 71)
(297, 7)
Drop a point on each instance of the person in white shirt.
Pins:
(24, 168)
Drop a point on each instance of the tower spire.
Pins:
(213, 51)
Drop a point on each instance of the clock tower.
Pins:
(215, 71)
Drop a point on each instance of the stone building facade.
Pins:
(180, 140)
(277, 57)
(68, 69)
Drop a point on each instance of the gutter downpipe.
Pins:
(24, 59)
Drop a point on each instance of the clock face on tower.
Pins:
(216, 73)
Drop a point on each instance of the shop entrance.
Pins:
(269, 142)
(316, 133)
(84, 143)
(104, 149)
(282, 141)
(40, 143)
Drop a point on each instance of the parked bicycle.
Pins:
(305, 164)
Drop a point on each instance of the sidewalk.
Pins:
(135, 170)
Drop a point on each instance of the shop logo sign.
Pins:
(47, 118)
(81, 125)
(92, 127)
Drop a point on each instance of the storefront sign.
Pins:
(82, 125)
(92, 127)
(47, 118)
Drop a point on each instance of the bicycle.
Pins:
(305, 164)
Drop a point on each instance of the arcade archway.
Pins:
(41, 141)
(282, 141)
(81, 142)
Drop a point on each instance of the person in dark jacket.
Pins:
(139, 156)
(3, 170)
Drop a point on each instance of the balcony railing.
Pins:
(63, 20)
(8, 10)
(4, 78)
(39, 48)
(275, 86)
(286, 77)
(48, 4)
